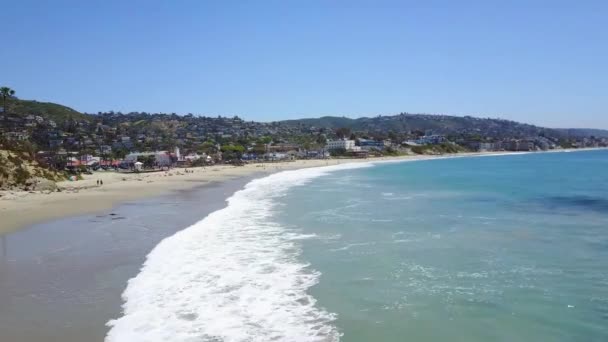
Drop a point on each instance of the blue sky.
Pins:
(544, 62)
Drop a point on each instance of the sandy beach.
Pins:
(19, 209)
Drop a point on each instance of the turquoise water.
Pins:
(505, 248)
(501, 248)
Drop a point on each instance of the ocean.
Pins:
(493, 248)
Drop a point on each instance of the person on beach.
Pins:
(98, 182)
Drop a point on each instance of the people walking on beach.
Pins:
(98, 182)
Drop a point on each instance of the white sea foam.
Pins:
(398, 198)
(403, 241)
(351, 245)
(234, 276)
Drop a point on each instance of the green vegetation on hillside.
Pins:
(20, 170)
(438, 124)
(61, 133)
(52, 111)
(585, 132)
(444, 148)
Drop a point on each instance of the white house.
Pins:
(347, 145)
(192, 157)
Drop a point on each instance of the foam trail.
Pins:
(234, 276)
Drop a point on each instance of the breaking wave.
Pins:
(234, 276)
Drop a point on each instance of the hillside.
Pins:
(585, 132)
(116, 134)
(52, 111)
(401, 123)
(20, 171)
(441, 124)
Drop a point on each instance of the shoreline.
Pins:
(20, 209)
(62, 280)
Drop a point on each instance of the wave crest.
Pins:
(234, 276)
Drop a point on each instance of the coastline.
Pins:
(20, 209)
(62, 280)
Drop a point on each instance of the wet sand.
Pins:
(61, 281)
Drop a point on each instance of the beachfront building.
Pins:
(313, 154)
(161, 158)
(482, 146)
(178, 154)
(520, 145)
(546, 144)
(368, 144)
(275, 156)
(434, 139)
(282, 147)
(347, 145)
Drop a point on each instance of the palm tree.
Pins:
(6, 93)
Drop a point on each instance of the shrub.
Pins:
(21, 175)
(338, 152)
(48, 175)
(15, 160)
(418, 149)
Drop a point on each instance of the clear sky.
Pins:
(543, 62)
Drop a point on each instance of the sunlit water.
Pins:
(502, 248)
(509, 248)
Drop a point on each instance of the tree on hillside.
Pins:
(266, 140)
(231, 151)
(343, 132)
(6, 93)
(208, 148)
(393, 136)
(148, 161)
(119, 153)
(321, 139)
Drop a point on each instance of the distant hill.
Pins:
(178, 126)
(585, 132)
(52, 111)
(326, 122)
(439, 124)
